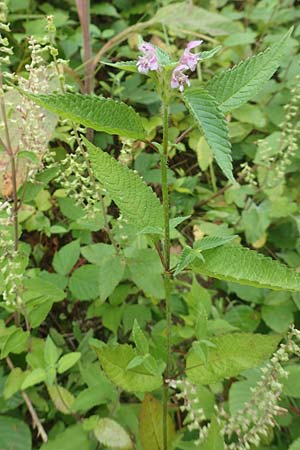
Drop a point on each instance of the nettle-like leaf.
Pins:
(136, 200)
(234, 87)
(115, 360)
(232, 354)
(208, 115)
(244, 266)
(99, 113)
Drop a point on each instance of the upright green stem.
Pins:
(167, 275)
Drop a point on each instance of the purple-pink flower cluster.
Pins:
(149, 59)
(188, 61)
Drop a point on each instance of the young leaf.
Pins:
(115, 359)
(234, 87)
(139, 338)
(99, 113)
(35, 377)
(244, 266)
(68, 361)
(136, 200)
(209, 242)
(187, 256)
(209, 117)
(150, 425)
(214, 440)
(110, 434)
(233, 354)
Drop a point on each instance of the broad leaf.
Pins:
(99, 113)
(232, 354)
(236, 86)
(68, 361)
(66, 257)
(244, 266)
(206, 111)
(150, 425)
(62, 398)
(214, 440)
(115, 359)
(72, 438)
(187, 16)
(110, 434)
(14, 434)
(136, 200)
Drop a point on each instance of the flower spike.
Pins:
(190, 59)
(149, 59)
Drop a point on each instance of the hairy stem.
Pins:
(167, 275)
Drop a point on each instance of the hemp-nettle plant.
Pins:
(136, 246)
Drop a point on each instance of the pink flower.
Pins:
(190, 59)
(149, 59)
(179, 78)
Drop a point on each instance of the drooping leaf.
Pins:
(110, 434)
(244, 266)
(62, 398)
(115, 359)
(99, 113)
(136, 200)
(232, 354)
(209, 117)
(236, 86)
(150, 425)
(14, 434)
(191, 17)
(214, 440)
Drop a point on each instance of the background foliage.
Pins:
(80, 289)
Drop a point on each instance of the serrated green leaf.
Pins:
(209, 242)
(187, 256)
(115, 359)
(136, 200)
(99, 113)
(150, 425)
(236, 86)
(129, 66)
(244, 266)
(208, 115)
(233, 354)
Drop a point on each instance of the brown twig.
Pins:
(35, 419)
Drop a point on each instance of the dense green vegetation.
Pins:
(149, 225)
